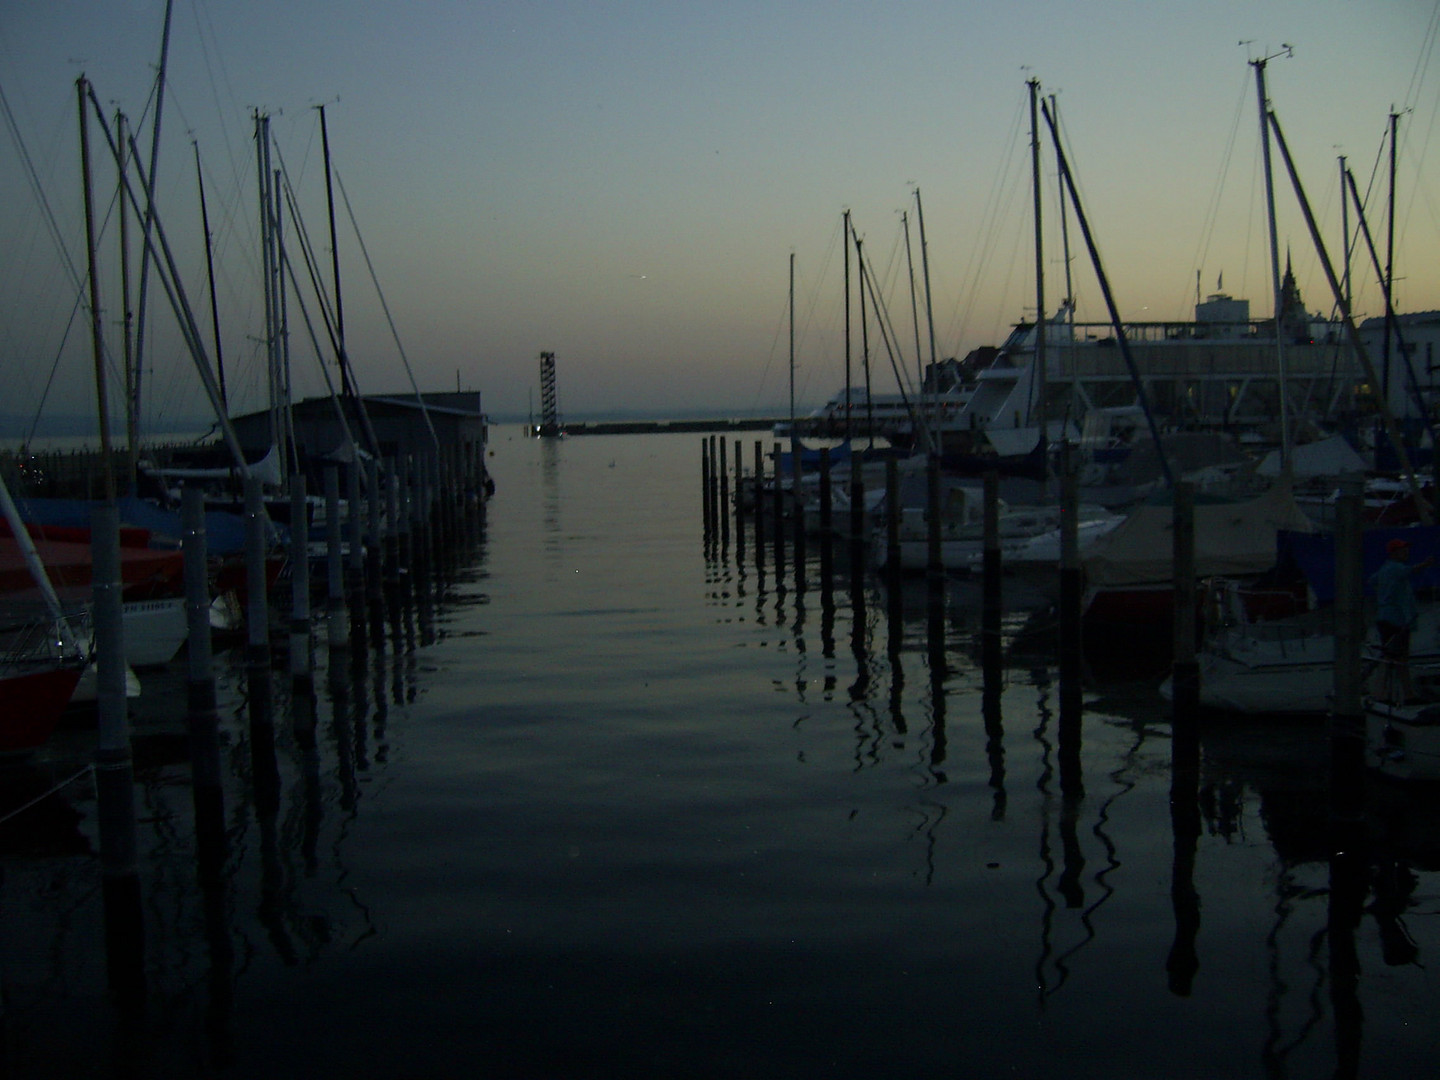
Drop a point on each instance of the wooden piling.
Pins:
(827, 533)
(797, 511)
(257, 606)
(991, 659)
(355, 534)
(202, 720)
(738, 511)
(706, 507)
(337, 628)
(1347, 718)
(934, 513)
(300, 657)
(777, 478)
(722, 508)
(759, 507)
(1070, 726)
(1071, 593)
(857, 520)
(1185, 671)
(892, 524)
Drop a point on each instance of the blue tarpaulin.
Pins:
(1313, 555)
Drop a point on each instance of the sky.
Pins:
(625, 183)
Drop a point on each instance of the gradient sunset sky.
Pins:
(624, 183)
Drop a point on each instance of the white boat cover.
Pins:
(1324, 457)
(1233, 539)
(266, 470)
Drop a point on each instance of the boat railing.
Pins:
(32, 640)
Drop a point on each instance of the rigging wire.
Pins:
(32, 177)
(1211, 219)
(809, 321)
(1417, 81)
(394, 331)
(1000, 196)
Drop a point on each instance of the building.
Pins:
(400, 425)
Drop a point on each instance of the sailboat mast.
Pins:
(845, 244)
(1392, 430)
(132, 419)
(794, 441)
(97, 341)
(914, 303)
(210, 275)
(133, 404)
(1345, 234)
(1069, 284)
(348, 387)
(287, 405)
(1037, 382)
(1282, 375)
(345, 387)
(267, 259)
(865, 343)
(1067, 179)
(925, 269)
(1389, 263)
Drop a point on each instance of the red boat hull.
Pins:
(31, 704)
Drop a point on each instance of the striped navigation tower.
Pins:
(549, 426)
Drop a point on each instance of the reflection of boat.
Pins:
(1252, 665)
(1028, 535)
(1129, 607)
(144, 571)
(1269, 651)
(1403, 741)
(37, 680)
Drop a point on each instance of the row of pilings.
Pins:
(770, 509)
(404, 528)
(787, 513)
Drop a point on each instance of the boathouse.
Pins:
(399, 422)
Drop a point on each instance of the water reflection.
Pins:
(636, 848)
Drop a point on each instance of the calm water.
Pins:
(618, 805)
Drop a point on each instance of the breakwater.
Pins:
(662, 427)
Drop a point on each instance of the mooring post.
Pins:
(202, 720)
(991, 601)
(401, 509)
(857, 519)
(392, 523)
(1347, 718)
(337, 630)
(257, 606)
(827, 538)
(199, 653)
(1350, 860)
(934, 519)
(114, 765)
(705, 506)
(797, 508)
(722, 508)
(355, 558)
(716, 468)
(777, 478)
(1071, 669)
(375, 552)
(737, 508)
(201, 714)
(759, 506)
(300, 659)
(1185, 670)
(892, 523)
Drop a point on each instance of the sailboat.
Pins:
(40, 658)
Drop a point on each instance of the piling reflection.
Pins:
(272, 799)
